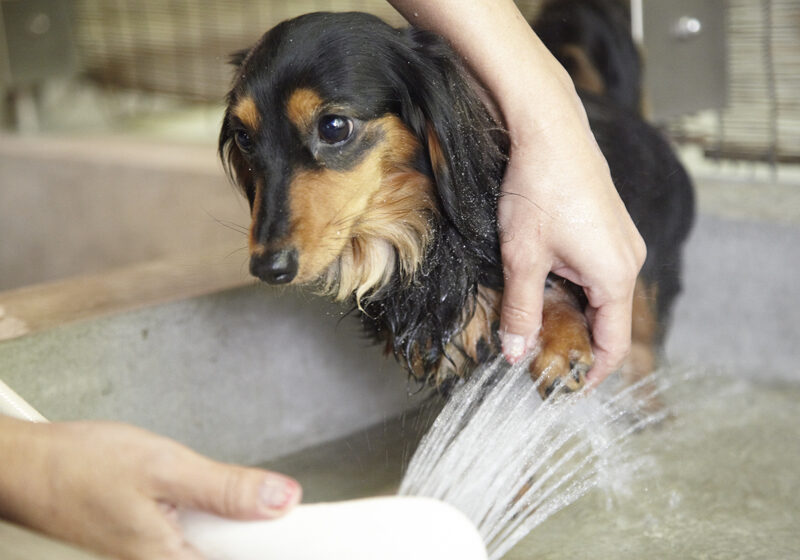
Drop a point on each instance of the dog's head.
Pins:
(352, 141)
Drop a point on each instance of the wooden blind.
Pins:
(182, 47)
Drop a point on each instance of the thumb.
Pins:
(229, 491)
(521, 311)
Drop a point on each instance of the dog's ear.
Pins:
(463, 142)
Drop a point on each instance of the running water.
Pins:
(509, 460)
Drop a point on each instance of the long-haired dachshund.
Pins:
(373, 171)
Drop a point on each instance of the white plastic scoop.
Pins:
(388, 528)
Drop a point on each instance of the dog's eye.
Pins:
(334, 129)
(243, 140)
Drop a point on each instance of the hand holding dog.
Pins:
(114, 489)
(560, 211)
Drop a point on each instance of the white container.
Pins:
(387, 528)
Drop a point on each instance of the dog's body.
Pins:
(373, 172)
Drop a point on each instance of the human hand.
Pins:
(560, 212)
(115, 489)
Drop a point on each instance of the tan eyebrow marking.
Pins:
(302, 106)
(247, 112)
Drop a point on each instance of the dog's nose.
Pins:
(275, 267)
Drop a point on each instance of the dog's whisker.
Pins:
(239, 228)
(235, 251)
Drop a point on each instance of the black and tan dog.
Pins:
(373, 172)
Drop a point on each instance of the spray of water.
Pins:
(509, 460)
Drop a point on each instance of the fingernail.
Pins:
(277, 493)
(513, 347)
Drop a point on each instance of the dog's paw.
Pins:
(556, 371)
(565, 355)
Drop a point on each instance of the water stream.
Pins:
(510, 461)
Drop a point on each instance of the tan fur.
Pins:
(346, 225)
(247, 112)
(644, 321)
(435, 151)
(642, 360)
(644, 330)
(487, 312)
(302, 107)
(585, 76)
(464, 347)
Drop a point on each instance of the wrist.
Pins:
(550, 112)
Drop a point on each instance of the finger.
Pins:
(611, 337)
(194, 482)
(240, 493)
(521, 310)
